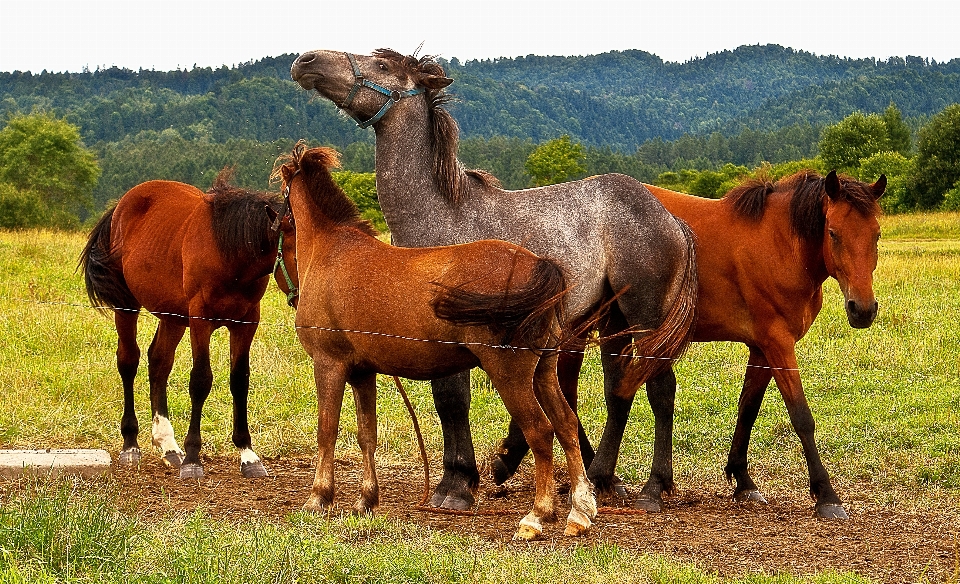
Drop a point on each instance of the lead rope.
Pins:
(423, 450)
(422, 506)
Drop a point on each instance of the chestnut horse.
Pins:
(608, 232)
(193, 260)
(763, 253)
(367, 307)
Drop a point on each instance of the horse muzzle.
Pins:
(302, 71)
(861, 316)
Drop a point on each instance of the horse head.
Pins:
(366, 86)
(850, 235)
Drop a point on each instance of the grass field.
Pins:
(886, 401)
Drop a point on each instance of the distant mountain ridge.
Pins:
(618, 99)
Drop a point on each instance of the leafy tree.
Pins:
(362, 188)
(898, 131)
(20, 209)
(44, 155)
(854, 138)
(937, 164)
(556, 161)
(898, 170)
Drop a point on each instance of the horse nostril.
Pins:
(306, 58)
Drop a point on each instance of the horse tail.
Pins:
(106, 286)
(657, 350)
(528, 315)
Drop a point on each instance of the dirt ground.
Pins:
(700, 526)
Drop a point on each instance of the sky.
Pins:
(59, 35)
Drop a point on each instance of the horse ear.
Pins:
(879, 187)
(271, 213)
(832, 184)
(435, 82)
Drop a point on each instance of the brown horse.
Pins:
(367, 307)
(193, 260)
(763, 254)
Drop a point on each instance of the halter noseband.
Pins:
(393, 96)
(285, 210)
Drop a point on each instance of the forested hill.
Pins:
(616, 99)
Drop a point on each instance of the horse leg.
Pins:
(755, 381)
(512, 375)
(201, 380)
(661, 393)
(331, 384)
(785, 371)
(365, 398)
(514, 447)
(583, 503)
(128, 360)
(451, 397)
(602, 470)
(241, 337)
(160, 357)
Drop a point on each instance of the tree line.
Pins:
(698, 126)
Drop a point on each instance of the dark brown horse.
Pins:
(367, 307)
(193, 260)
(608, 232)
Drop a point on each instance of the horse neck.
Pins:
(809, 256)
(414, 208)
(314, 228)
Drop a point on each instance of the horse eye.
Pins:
(834, 236)
(383, 66)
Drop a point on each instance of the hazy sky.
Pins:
(59, 35)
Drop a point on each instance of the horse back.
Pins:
(751, 271)
(149, 227)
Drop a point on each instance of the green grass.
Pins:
(64, 532)
(886, 401)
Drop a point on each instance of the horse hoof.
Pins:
(129, 457)
(173, 459)
(316, 504)
(253, 470)
(620, 489)
(362, 509)
(499, 471)
(457, 503)
(578, 523)
(751, 496)
(648, 504)
(191, 471)
(575, 529)
(527, 533)
(831, 511)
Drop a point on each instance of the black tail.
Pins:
(529, 315)
(106, 286)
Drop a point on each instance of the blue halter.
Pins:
(392, 96)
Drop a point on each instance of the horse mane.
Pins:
(314, 165)
(453, 179)
(239, 218)
(806, 189)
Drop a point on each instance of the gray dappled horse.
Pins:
(608, 232)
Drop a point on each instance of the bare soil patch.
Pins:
(702, 526)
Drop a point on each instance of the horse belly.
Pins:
(413, 356)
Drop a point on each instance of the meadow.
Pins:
(886, 401)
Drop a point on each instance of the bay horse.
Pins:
(197, 260)
(367, 307)
(608, 232)
(763, 253)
